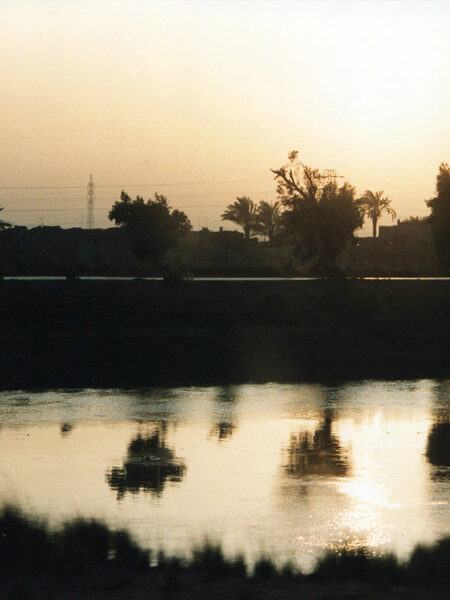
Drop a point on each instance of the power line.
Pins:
(127, 185)
(203, 195)
(14, 210)
(97, 209)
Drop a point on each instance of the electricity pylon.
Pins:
(90, 203)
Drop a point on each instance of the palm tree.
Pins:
(373, 205)
(244, 213)
(269, 218)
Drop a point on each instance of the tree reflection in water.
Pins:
(318, 454)
(224, 417)
(149, 465)
(438, 446)
(222, 430)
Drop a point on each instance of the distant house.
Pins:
(53, 250)
(404, 248)
(410, 232)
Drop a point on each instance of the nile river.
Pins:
(288, 470)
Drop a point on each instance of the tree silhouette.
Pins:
(323, 217)
(440, 215)
(153, 226)
(3, 224)
(269, 219)
(374, 205)
(243, 212)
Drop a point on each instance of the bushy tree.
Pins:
(244, 212)
(322, 216)
(374, 205)
(440, 215)
(153, 226)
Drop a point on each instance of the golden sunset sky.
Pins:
(202, 99)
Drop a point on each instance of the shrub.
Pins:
(25, 543)
(264, 568)
(357, 564)
(209, 560)
(84, 544)
(126, 551)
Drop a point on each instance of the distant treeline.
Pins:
(311, 228)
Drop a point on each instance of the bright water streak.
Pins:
(290, 470)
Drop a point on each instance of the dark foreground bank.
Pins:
(144, 333)
(85, 559)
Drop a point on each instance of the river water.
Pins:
(288, 470)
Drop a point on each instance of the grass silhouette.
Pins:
(29, 548)
(29, 545)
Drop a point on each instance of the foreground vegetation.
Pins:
(84, 558)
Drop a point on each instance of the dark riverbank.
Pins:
(144, 333)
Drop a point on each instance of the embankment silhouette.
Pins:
(143, 333)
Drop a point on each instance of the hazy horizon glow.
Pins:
(175, 92)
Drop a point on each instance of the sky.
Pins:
(199, 100)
